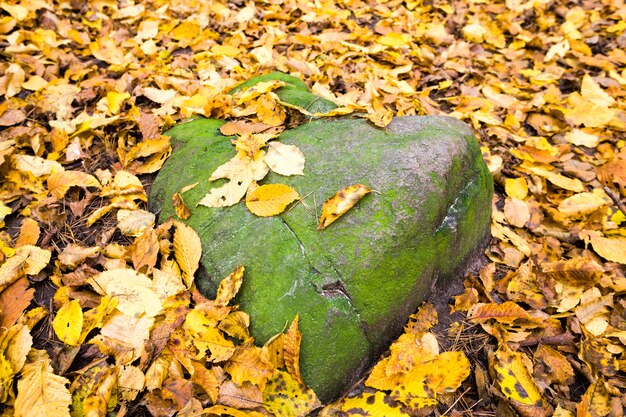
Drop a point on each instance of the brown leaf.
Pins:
(13, 301)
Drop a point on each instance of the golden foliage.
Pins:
(87, 88)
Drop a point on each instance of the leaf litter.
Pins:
(87, 89)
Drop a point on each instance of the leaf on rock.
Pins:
(40, 392)
(285, 396)
(181, 209)
(229, 287)
(271, 199)
(187, 251)
(285, 159)
(341, 202)
(68, 323)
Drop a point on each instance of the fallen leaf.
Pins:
(40, 392)
(229, 287)
(285, 159)
(341, 202)
(187, 251)
(68, 323)
(270, 199)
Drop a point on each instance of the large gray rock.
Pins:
(355, 283)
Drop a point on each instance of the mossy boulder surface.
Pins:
(355, 283)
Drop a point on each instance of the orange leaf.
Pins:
(60, 182)
(506, 312)
(291, 348)
(341, 202)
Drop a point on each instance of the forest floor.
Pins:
(98, 310)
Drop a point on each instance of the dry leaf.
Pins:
(284, 159)
(341, 202)
(229, 287)
(271, 199)
(187, 251)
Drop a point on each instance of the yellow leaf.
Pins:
(181, 209)
(610, 248)
(36, 165)
(158, 95)
(222, 410)
(269, 111)
(108, 50)
(236, 324)
(341, 202)
(124, 337)
(365, 405)
(571, 184)
(410, 351)
(249, 364)
(130, 382)
(115, 101)
(582, 204)
(187, 251)
(40, 392)
(29, 233)
(73, 255)
(285, 159)
(91, 389)
(186, 31)
(285, 396)
(270, 199)
(513, 378)
(15, 343)
(205, 337)
(241, 172)
(516, 188)
(95, 317)
(257, 90)
(68, 323)
(579, 137)
(394, 39)
(229, 287)
(291, 349)
(132, 289)
(134, 222)
(516, 211)
(591, 91)
(442, 375)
